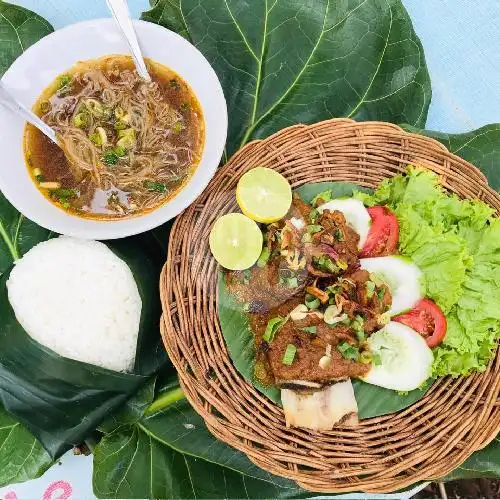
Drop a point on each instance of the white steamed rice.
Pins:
(79, 299)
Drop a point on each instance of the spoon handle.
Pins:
(10, 102)
(121, 14)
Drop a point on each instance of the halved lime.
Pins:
(236, 241)
(264, 195)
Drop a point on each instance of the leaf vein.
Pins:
(377, 69)
(240, 31)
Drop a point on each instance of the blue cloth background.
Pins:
(461, 39)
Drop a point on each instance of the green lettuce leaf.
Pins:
(456, 244)
(474, 324)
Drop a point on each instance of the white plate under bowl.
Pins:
(37, 67)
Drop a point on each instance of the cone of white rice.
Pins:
(79, 299)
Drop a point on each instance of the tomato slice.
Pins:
(383, 236)
(427, 319)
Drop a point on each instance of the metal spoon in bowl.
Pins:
(121, 14)
(10, 102)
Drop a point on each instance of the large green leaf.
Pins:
(288, 62)
(17, 234)
(372, 401)
(483, 463)
(19, 28)
(131, 464)
(60, 400)
(481, 147)
(181, 428)
(171, 454)
(22, 457)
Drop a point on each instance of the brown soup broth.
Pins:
(153, 139)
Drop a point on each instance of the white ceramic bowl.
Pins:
(36, 68)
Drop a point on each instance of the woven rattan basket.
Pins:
(383, 454)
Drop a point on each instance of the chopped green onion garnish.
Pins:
(309, 329)
(273, 325)
(342, 264)
(313, 215)
(155, 186)
(292, 282)
(64, 193)
(311, 301)
(306, 238)
(126, 138)
(264, 257)
(289, 355)
(246, 276)
(339, 235)
(323, 196)
(376, 360)
(178, 127)
(370, 289)
(94, 107)
(360, 335)
(357, 325)
(119, 112)
(63, 85)
(80, 120)
(110, 158)
(381, 293)
(365, 357)
(324, 263)
(120, 151)
(95, 138)
(347, 350)
(64, 80)
(377, 279)
(175, 84)
(120, 125)
(185, 106)
(314, 228)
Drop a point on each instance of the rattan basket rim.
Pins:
(228, 407)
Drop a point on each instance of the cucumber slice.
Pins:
(403, 278)
(355, 213)
(404, 356)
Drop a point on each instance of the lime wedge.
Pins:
(264, 195)
(236, 241)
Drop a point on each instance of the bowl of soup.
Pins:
(131, 153)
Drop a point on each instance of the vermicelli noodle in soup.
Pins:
(127, 146)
